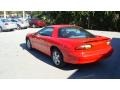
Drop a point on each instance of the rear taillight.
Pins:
(108, 42)
(85, 46)
(6, 23)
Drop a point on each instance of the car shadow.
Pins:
(106, 69)
(46, 59)
(7, 31)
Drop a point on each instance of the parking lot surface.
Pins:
(18, 62)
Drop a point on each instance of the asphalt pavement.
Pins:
(18, 62)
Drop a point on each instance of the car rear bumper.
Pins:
(91, 58)
(40, 24)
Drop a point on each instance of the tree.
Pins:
(100, 20)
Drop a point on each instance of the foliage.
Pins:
(100, 20)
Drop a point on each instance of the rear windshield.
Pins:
(74, 32)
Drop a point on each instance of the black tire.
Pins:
(58, 62)
(28, 44)
(25, 27)
(12, 30)
(1, 29)
(18, 27)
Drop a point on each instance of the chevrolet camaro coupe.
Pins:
(69, 44)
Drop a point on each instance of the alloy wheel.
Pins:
(56, 58)
(28, 44)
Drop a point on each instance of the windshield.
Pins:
(5, 20)
(74, 32)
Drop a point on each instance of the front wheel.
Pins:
(18, 27)
(28, 44)
(57, 58)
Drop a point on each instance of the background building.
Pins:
(22, 14)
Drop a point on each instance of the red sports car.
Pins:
(36, 23)
(69, 44)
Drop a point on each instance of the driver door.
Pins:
(42, 39)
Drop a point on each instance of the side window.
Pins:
(63, 33)
(13, 20)
(46, 31)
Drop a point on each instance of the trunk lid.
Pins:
(97, 42)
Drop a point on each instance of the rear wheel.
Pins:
(57, 58)
(28, 44)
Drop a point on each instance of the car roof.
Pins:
(60, 26)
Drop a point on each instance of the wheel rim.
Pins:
(28, 44)
(18, 27)
(56, 58)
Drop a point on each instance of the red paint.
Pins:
(37, 23)
(68, 46)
